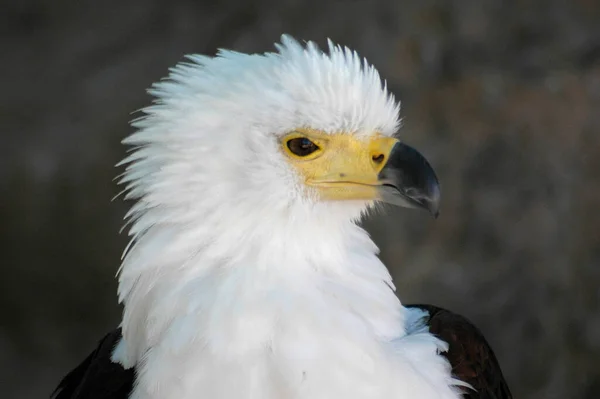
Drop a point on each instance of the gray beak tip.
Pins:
(409, 180)
(433, 201)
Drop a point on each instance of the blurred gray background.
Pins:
(503, 98)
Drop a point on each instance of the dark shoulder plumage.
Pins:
(97, 377)
(472, 359)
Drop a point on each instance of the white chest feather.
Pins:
(237, 331)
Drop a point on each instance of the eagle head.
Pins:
(301, 132)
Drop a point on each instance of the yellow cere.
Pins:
(342, 166)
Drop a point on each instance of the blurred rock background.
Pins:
(503, 97)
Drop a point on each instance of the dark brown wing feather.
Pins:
(472, 359)
(97, 377)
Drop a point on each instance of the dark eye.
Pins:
(302, 146)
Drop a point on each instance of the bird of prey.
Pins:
(248, 275)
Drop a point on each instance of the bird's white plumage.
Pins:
(238, 284)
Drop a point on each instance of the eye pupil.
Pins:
(302, 146)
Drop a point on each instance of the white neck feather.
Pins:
(288, 308)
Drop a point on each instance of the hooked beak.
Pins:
(408, 180)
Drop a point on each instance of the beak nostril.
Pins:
(378, 158)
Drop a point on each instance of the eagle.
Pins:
(248, 274)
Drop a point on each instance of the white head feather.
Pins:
(237, 283)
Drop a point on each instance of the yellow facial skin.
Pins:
(344, 167)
